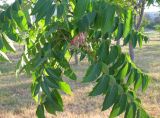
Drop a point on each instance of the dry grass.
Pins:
(16, 101)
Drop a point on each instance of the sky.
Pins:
(152, 9)
(147, 9)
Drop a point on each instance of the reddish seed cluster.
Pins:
(79, 39)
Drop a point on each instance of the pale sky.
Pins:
(147, 9)
(9, 1)
(152, 9)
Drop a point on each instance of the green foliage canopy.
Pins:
(47, 48)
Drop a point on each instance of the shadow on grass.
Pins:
(7, 67)
(148, 58)
(14, 94)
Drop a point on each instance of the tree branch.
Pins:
(141, 15)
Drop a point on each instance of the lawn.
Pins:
(16, 101)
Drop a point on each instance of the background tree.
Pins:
(139, 7)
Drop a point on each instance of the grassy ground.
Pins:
(16, 101)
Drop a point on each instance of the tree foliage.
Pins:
(48, 43)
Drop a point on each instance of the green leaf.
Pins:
(139, 38)
(103, 51)
(49, 107)
(91, 17)
(40, 111)
(114, 53)
(69, 73)
(83, 55)
(86, 21)
(128, 23)
(109, 19)
(92, 73)
(8, 43)
(51, 30)
(8, 13)
(119, 107)
(56, 104)
(38, 6)
(20, 1)
(44, 10)
(51, 82)
(20, 19)
(111, 97)
(120, 31)
(138, 81)
(64, 63)
(105, 68)
(131, 96)
(56, 95)
(122, 73)
(46, 90)
(119, 62)
(21, 65)
(81, 6)
(126, 40)
(16, 6)
(12, 35)
(83, 24)
(142, 114)
(1, 43)
(116, 22)
(65, 87)
(145, 82)
(37, 61)
(35, 88)
(54, 73)
(60, 10)
(3, 57)
(131, 110)
(101, 87)
(131, 77)
(134, 38)
(50, 13)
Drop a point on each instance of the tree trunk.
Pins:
(141, 15)
(76, 59)
(131, 51)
